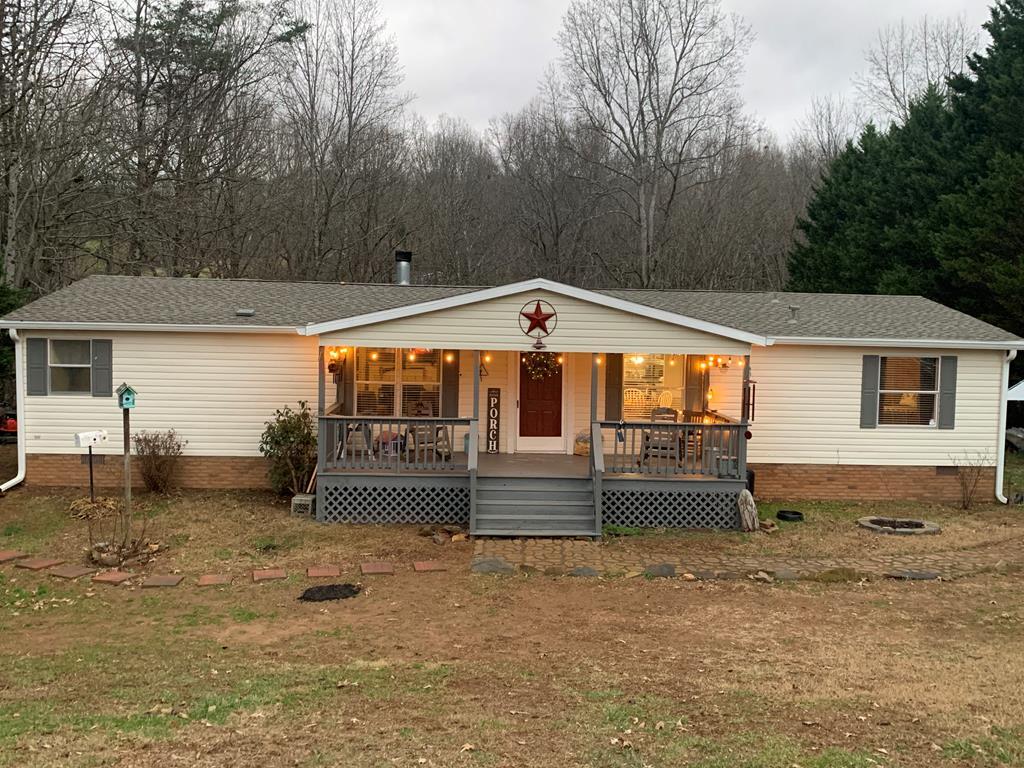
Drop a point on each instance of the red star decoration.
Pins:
(538, 319)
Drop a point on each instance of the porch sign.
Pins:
(493, 418)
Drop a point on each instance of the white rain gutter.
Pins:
(1001, 445)
(19, 389)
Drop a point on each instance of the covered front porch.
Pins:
(541, 442)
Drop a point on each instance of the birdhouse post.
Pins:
(126, 401)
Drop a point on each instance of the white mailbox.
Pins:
(89, 439)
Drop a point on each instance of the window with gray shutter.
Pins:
(102, 368)
(869, 392)
(947, 392)
(908, 391)
(37, 367)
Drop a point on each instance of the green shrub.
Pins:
(289, 441)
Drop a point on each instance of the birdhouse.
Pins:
(125, 397)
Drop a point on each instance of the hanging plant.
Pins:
(541, 365)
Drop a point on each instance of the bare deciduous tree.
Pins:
(655, 79)
(908, 57)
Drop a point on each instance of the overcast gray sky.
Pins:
(476, 59)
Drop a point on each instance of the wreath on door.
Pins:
(541, 365)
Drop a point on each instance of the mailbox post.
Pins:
(126, 401)
(90, 439)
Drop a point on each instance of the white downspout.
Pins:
(1000, 445)
(19, 389)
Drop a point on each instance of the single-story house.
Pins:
(529, 408)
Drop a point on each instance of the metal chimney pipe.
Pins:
(403, 267)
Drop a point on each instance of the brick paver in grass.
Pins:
(429, 566)
(8, 555)
(214, 580)
(112, 577)
(268, 574)
(38, 563)
(162, 580)
(376, 569)
(323, 571)
(72, 571)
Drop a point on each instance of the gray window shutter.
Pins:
(613, 387)
(37, 351)
(869, 392)
(449, 385)
(947, 392)
(102, 368)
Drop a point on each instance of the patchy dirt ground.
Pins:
(450, 669)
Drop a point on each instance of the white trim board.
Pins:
(828, 341)
(525, 286)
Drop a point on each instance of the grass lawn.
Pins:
(453, 669)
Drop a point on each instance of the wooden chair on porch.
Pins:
(425, 443)
(661, 442)
(356, 442)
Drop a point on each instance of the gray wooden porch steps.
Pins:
(535, 506)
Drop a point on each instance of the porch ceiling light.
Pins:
(638, 359)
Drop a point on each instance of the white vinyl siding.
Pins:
(494, 325)
(808, 410)
(216, 389)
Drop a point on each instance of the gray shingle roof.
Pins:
(823, 315)
(200, 301)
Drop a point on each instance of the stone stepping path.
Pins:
(7, 555)
(268, 574)
(214, 580)
(377, 569)
(566, 557)
(112, 577)
(38, 563)
(71, 572)
(162, 580)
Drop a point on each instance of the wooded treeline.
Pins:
(934, 205)
(273, 139)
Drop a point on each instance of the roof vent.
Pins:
(245, 312)
(794, 310)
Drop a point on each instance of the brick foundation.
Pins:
(852, 482)
(241, 472)
(841, 482)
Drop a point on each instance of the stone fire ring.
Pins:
(899, 526)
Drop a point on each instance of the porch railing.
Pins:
(395, 444)
(671, 448)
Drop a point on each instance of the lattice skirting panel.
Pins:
(375, 499)
(667, 504)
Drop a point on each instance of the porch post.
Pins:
(321, 394)
(745, 417)
(476, 384)
(595, 368)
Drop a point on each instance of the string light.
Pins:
(449, 358)
(487, 358)
(559, 359)
(374, 356)
(638, 359)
